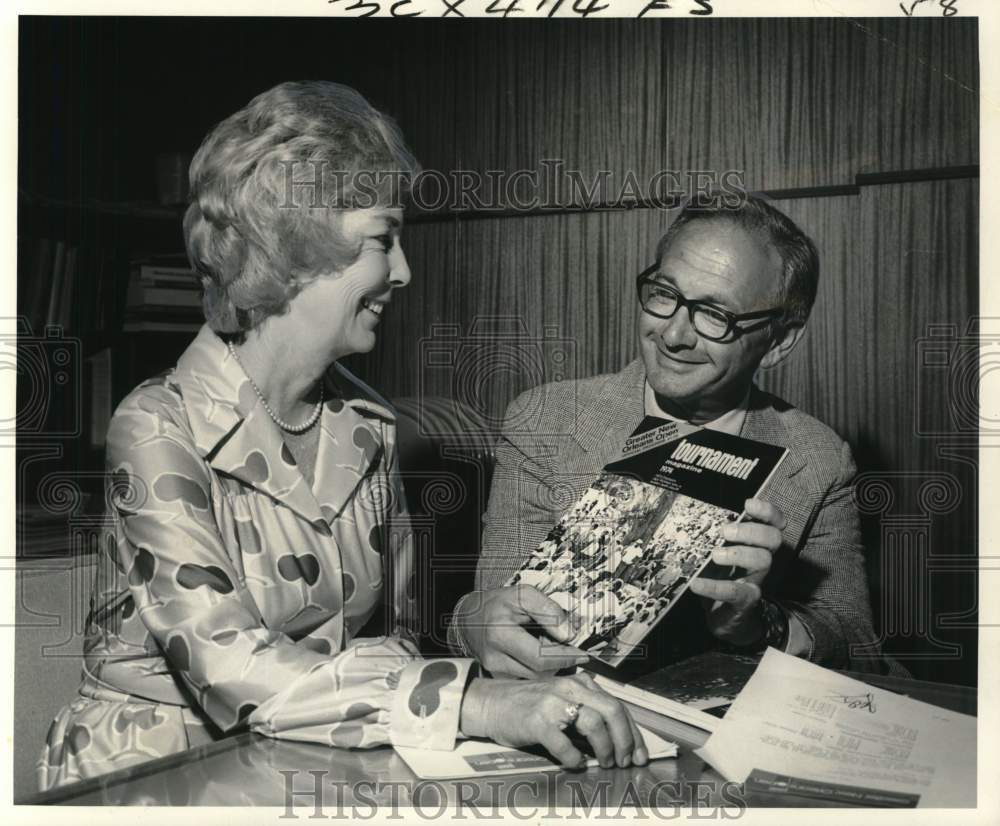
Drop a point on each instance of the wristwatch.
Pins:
(774, 622)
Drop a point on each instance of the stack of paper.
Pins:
(800, 729)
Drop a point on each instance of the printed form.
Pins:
(801, 729)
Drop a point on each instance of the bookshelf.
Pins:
(75, 359)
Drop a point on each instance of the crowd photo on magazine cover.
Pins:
(619, 558)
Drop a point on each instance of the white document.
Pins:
(802, 728)
(477, 758)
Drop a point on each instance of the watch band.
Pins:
(774, 622)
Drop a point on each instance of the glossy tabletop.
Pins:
(251, 770)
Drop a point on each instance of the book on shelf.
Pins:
(67, 307)
(35, 299)
(141, 294)
(168, 260)
(102, 286)
(91, 292)
(625, 552)
(163, 295)
(167, 271)
(147, 325)
(164, 312)
(101, 389)
(117, 277)
(56, 280)
(62, 287)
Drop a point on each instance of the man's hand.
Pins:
(492, 630)
(732, 614)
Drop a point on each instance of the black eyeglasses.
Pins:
(661, 300)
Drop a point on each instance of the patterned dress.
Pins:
(230, 592)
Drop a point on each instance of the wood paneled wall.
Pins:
(789, 104)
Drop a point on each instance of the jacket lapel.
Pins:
(785, 489)
(611, 416)
(763, 424)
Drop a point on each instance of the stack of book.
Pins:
(163, 297)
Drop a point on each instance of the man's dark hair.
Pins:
(799, 258)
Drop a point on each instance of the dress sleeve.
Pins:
(195, 605)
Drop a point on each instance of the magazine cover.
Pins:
(624, 553)
(708, 682)
(696, 691)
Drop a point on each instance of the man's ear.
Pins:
(783, 345)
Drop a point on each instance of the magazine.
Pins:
(620, 557)
(696, 691)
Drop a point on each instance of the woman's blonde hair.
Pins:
(268, 186)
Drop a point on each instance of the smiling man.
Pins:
(730, 292)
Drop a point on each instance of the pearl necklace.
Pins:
(291, 428)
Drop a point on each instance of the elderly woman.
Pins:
(257, 521)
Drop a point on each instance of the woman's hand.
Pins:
(526, 712)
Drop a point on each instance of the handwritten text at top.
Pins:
(948, 8)
(510, 8)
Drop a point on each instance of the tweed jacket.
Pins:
(557, 437)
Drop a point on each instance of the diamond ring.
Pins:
(572, 711)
